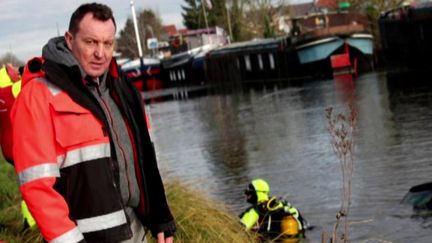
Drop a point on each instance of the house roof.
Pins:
(332, 4)
(171, 29)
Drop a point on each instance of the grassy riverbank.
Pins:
(199, 219)
(11, 224)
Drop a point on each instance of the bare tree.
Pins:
(375, 7)
(149, 26)
(257, 13)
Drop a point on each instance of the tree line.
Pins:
(248, 19)
(253, 18)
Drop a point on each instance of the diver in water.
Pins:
(269, 216)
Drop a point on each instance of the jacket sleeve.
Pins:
(249, 218)
(161, 218)
(34, 152)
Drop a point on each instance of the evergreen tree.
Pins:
(268, 28)
(216, 16)
(237, 19)
(192, 15)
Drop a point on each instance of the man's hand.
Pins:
(161, 238)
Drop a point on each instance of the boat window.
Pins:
(320, 21)
(260, 62)
(183, 74)
(271, 60)
(247, 63)
(238, 63)
(179, 75)
(173, 76)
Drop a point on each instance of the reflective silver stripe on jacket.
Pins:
(102, 222)
(84, 154)
(51, 87)
(73, 235)
(38, 172)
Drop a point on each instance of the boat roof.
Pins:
(268, 43)
(137, 63)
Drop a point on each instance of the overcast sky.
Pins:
(26, 25)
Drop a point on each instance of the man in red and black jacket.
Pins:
(83, 155)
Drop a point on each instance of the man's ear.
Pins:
(69, 38)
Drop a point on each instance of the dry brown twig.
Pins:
(341, 129)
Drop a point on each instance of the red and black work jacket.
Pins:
(65, 158)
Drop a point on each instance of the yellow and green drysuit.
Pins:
(270, 216)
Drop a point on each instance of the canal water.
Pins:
(218, 142)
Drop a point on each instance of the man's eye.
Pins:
(89, 42)
(109, 44)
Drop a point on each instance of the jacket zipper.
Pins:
(115, 136)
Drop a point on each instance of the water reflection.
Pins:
(219, 142)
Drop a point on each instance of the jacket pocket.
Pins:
(74, 124)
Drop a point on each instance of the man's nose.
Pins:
(98, 52)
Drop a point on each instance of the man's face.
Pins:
(93, 45)
(250, 195)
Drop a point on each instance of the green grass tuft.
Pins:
(200, 219)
